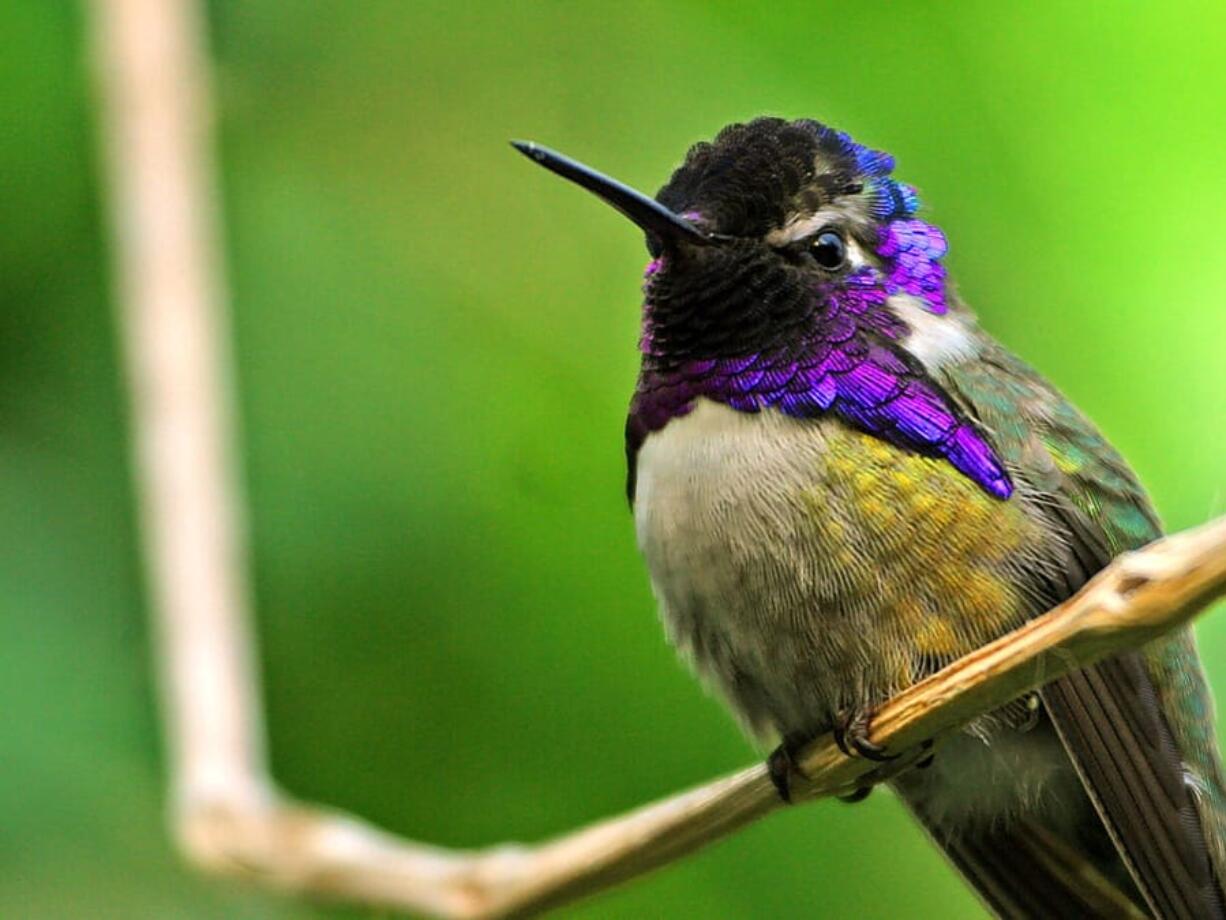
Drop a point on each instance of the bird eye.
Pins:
(829, 250)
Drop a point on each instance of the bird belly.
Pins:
(807, 569)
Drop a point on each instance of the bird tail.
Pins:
(1025, 871)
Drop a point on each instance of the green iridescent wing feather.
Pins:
(1155, 702)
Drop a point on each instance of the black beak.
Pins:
(653, 217)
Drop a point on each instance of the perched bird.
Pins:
(840, 484)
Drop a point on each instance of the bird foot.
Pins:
(851, 728)
(851, 732)
(851, 735)
(782, 765)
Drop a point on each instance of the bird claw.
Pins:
(782, 765)
(851, 730)
(851, 735)
(859, 795)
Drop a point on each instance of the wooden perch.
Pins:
(1141, 596)
(228, 815)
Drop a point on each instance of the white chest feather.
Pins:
(716, 463)
(732, 553)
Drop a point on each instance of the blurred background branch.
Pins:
(156, 128)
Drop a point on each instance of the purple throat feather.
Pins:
(845, 363)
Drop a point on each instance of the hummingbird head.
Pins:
(812, 228)
(789, 272)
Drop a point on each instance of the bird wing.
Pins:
(1113, 717)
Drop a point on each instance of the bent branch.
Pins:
(1140, 597)
(228, 815)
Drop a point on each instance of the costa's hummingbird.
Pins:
(840, 484)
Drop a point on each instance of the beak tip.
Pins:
(529, 149)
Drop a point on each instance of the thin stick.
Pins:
(1138, 598)
(228, 816)
(170, 290)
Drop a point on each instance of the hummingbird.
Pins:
(841, 483)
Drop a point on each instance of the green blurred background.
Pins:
(435, 346)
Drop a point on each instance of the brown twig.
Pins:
(1140, 597)
(156, 135)
(228, 815)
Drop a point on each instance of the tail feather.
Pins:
(1025, 871)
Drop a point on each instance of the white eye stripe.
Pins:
(936, 341)
(799, 229)
(855, 255)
